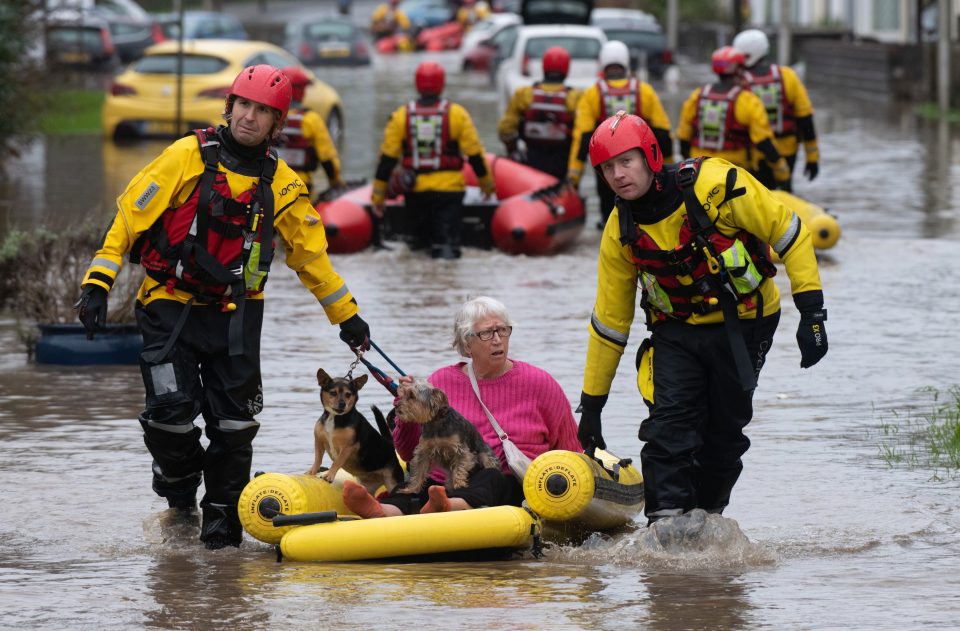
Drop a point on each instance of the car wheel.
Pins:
(335, 127)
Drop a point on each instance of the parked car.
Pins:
(202, 25)
(521, 64)
(556, 11)
(426, 13)
(329, 40)
(642, 34)
(79, 39)
(131, 28)
(475, 49)
(142, 100)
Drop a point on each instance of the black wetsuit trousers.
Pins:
(198, 376)
(694, 436)
(439, 221)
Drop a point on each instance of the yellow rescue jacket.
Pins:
(756, 211)
(520, 102)
(461, 130)
(589, 112)
(317, 136)
(748, 111)
(798, 103)
(169, 181)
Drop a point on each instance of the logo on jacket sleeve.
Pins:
(147, 195)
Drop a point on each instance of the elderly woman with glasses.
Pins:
(527, 402)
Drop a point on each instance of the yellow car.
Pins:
(142, 100)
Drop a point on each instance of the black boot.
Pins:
(221, 526)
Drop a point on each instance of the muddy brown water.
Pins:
(820, 533)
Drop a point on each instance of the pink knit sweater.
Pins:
(527, 402)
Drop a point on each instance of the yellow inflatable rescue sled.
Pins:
(823, 227)
(567, 493)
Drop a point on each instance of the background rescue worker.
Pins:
(788, 107)
(305, 142)
(615, 91)
(724, 120)
(696, 238)
(388, 19)
(471, 12)
(200, 307)
(429, 137)
(542, 116)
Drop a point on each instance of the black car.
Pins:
(79, 40)
(328, 41)
(131, 28)
(642, 34)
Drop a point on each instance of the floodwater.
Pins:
(821, 532)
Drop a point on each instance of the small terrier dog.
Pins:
(446, 438)
(349, 438)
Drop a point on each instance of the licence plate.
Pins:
(73, 57)
(157, 128)
(327, 50)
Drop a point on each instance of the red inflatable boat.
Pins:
(533, 214)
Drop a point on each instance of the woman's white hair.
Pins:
(472, 312)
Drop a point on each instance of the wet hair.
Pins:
(278, 122)
(472, 312)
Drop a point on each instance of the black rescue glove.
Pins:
(355, 332)
(92, 309)
(811, 332)
(811, 170)
(589, 432)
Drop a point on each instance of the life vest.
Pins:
(613, 99)
(427, 145)
(771, 90)
(294, 148)
(689, 279)
(547, 122)
(218, 249)
(716, 122)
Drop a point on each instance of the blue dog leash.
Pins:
(378, 374)
(389, 361)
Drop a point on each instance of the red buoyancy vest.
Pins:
(547, 122)
(771, 90)
(427, 145)
(715, 123)
(294, 148)
(210, 250)
(626, 98)
(689, 260)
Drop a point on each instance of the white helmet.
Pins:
(614, 52)
(753, 43)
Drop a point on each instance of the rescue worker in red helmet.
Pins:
(201, 220)
(616, 90)
(305, 142)
(696, 238)
(388, 19)
(724, 120)
(429, 137)
(788, 107)
(542, 116)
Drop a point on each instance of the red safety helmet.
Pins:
(299, 80)
(727, 60)
(263, 84)
(556, 59)
(623, 132)
(429, 78)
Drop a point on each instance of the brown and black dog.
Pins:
(353, 444)
(446, 438)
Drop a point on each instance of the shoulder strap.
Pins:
(476, 390)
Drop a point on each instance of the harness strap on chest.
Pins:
(700, 223)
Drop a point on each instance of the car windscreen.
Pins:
(72, 35)
(578, 47)
(328, 30)
(638, 39)
(192, 64)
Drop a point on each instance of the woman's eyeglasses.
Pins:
(487, 334)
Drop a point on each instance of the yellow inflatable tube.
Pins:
(496, 527)
(270, 494)
(823, 226)
(570, 491)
